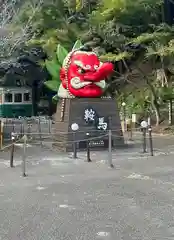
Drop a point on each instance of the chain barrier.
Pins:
(9, 145)
(77, 141)
(145, 142)
(111, 135)
(63, 133)
(137, 138)
(25, 133)
(24, 139)
(92, 130)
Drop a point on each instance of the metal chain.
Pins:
(82, 140)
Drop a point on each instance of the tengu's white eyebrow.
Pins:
(79, 64)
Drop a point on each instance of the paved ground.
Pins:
(66, 199)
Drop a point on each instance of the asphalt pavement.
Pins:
(69, 199)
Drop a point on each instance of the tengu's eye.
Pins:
(81, 70)
(88, 67)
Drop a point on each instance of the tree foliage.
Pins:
(134, 34)
(131, 34)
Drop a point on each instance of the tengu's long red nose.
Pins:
(104, 71)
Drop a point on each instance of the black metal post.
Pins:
(50, 124)
(12, 150)
(74, 145)
(150, 141)
(144, 140)
(12, 156)
(88, 148)
(124, 116)
(21, 129)
(40, 130)
(29, 131)
(24, 156)
(110, 149)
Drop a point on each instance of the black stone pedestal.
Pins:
(104, 114)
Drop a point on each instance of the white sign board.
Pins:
(134, 118)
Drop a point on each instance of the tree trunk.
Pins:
(154, 102)
(155, 106)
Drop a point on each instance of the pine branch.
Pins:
(116, 57)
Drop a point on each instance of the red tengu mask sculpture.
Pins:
(83, 75)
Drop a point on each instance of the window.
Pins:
(17, 97)
(8, 97)
(26, 97)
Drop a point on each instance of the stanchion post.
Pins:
(24, 156)
(50, 125)
(40, 130)
(150, 140)
(144, 140)
(2, 130)
(75, 128)
(131, 131)
(88, 148)
(12, 150)
(74, 146)
(124, 116)
(110, 149)
(144, 126)
(29, 130)
(22, 130)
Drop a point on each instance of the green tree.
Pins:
(131, 33)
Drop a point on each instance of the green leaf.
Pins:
(61, 53)
(52, 84)
(55, 98)
(115, 57)
(53, 68)
(78, 44)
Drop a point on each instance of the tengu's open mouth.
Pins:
(92, 87)
(76, 83)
